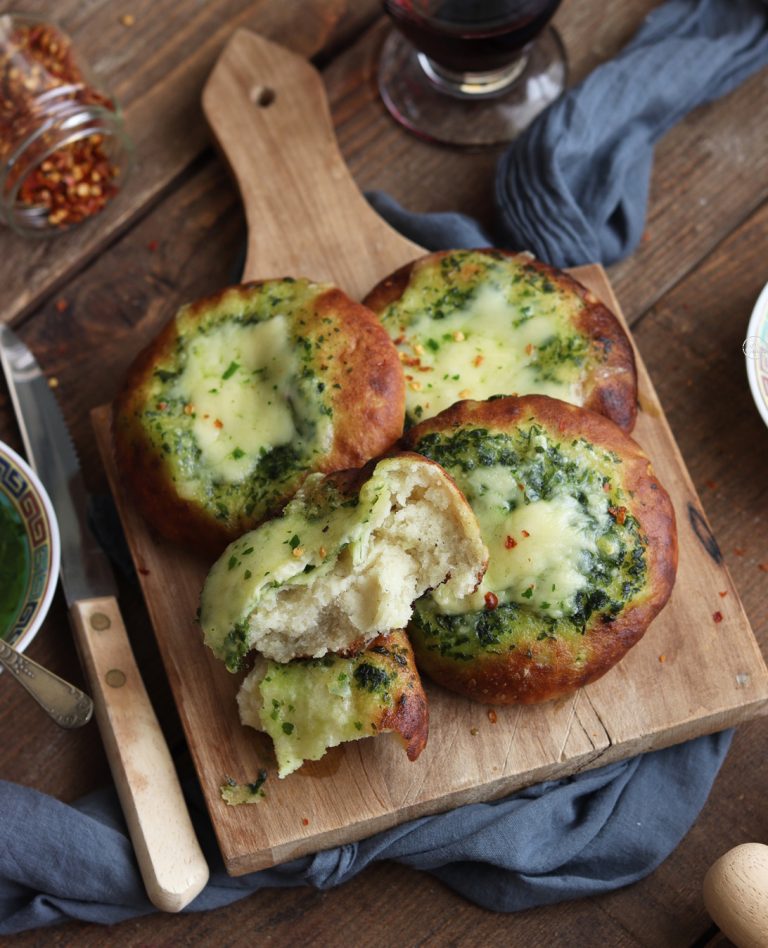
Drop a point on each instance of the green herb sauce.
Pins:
(14, 564)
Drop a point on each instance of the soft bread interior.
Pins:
(425, 534)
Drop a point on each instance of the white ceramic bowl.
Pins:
(756, 352)
(28, 511)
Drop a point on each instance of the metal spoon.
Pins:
(68, 706)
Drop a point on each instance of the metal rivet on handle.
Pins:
(115, 678)
(100, 622)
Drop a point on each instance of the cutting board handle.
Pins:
(268, 110)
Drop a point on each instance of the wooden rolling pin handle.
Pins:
(171, 862)
(736, 895)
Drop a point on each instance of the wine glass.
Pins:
(470, 72)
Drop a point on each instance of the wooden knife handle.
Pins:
(172, 864)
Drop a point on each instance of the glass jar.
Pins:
(64, 153)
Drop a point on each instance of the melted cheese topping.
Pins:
(308, 707)
(228, 371)
(500, 335)
(538, 550)
(536, 556)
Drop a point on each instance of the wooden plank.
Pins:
(158, 81)
(711, 673)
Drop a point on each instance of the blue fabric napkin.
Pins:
(573, 189)
(583, 835)
(559, 840)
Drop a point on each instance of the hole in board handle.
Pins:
(262, 96)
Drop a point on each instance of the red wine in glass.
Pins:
(470, 72)
(471, 37)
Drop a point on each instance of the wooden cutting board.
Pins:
(690, 674)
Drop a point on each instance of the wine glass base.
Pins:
(463, 119)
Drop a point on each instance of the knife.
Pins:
(171, 862)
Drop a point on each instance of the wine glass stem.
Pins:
(474, 85)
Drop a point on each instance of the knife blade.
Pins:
(171, 862)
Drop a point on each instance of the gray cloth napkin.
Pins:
(559, 840)
(574, 188)
(583, 835)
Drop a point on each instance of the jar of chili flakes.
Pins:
(64, 153)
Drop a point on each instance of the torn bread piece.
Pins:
(309, 705)
(343, 563)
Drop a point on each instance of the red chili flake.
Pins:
(305, 822)
(77, 179)
(510, 543)
(161, 406)
(662, 658)
(763, 567)
(61, 306)
(152, 246)
(218, 424)
(529, 348)
(491, 600)
(738, 550)
(400, 340)
(492, 716)
(478, 360)
(723, 594)
(143, 570)
(619, 514)
(712, 485)
(717, 616)
(525, 533)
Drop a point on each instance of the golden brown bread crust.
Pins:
(539, 668)
(363, 391)
(610, 388)
(408, 715)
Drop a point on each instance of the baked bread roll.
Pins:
(309, 705)
(582, 549)
(478, 323)
(245, 393)
(343, 563)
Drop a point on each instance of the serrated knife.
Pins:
(172, 864)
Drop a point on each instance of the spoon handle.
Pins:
(68, 706)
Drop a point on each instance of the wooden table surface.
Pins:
(86, 302)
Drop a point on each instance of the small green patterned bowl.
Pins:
(29, 550)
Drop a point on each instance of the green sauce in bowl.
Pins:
(14, 564)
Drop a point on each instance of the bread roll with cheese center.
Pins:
(478, 323)
(242, 395)
(343, 563)
(582, 545)
(309, 705)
